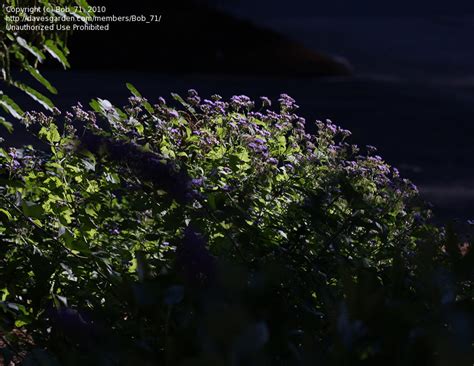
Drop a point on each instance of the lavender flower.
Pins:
(134, 101)
(15, 159)
(265, 102)
(345, 133)
(253, 146)
(287, 103)
(241, 102)
(197, 182)
(173, 113)
(192, 93)
(226, 188)
(193, 97)
(371, 149)
(331, 127)
(290, 167)
(300, 123)
(418, 218)
(114, 231)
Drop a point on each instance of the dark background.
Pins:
(411, 91)
(348, 7)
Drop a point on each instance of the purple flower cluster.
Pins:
(257, 145)
(193, 97)
(15, 159)
(214, 107)
(241, 102)
(205, 132)
(197, 182)
(81, 115)
(161, 102)
(114, 231)
(136, 101)
(265, 102)
(173, 113)
(287, 103)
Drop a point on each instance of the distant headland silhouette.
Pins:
(194, 36)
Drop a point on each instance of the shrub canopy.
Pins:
(221, 232)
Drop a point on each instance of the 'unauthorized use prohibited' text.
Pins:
(55, 18)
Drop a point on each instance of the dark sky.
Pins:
(349, 7)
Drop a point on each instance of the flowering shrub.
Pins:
(207, 231)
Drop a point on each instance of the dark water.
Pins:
(424, 128)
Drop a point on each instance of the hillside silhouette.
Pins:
(194, 37)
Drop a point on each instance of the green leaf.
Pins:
(32, 49)
(74, 244)
(6, 124)
(6, 213)
(11, 107)
(108, 110)
(91, 211)
(85, 7)
(36, 95)
(178, 98)
(133, 90)
(20, 323)
(137, 94)
(140, 129)
(88, 164)
(32, 209)
(112, 178)
(54, 51)
(243, 156)
(281, 144)
(51, 133)
(37, 75)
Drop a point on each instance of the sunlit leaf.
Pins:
(37, 75)
(137, 94)
(54, 51)
(11, 107)
(33, 50)
(36, 95)
(133, 90)
(6, 124)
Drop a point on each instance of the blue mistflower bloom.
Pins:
(197, 181)
(173, 113)
(265, 102)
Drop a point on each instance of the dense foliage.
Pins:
(212, 232)
(24, 51)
